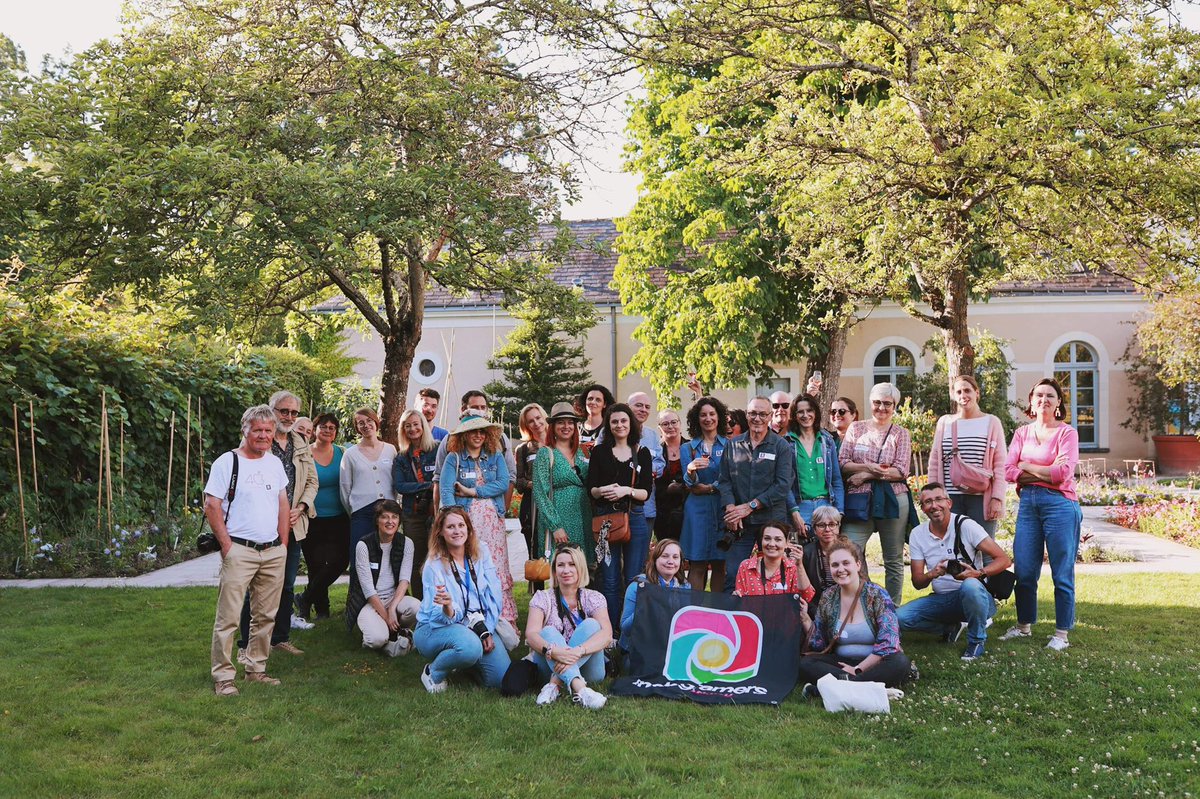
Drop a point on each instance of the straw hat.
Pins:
(470, 423)
(563, 410)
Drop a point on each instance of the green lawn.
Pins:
(107, 693)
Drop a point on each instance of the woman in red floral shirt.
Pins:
(773, 571)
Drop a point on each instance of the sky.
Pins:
(51, 27)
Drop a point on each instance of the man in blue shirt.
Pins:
(428, 400)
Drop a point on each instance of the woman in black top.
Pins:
(592, 404)
(620, 476)
(669, 490)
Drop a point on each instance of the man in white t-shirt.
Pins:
(959, 594)
(252, 529)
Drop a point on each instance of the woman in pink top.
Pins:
(1041, 461)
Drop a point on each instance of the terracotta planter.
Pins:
(1177, 455)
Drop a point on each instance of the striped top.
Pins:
(972, 447)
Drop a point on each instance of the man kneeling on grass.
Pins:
(247, 508)
(959, 595)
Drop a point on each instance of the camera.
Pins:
(730, 538)
(478, 625)
(955, 567)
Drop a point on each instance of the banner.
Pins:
(713, 648)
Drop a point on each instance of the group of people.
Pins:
(769, 500)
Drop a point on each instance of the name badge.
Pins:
(766, 456)
(468, 475)
(716, 453)
(531, 458)
(374, 565)
(431, 468)
(820, 459)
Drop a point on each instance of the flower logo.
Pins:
(706, 646)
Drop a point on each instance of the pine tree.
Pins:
(543, 359)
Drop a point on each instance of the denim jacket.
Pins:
(437, 572)
(461, 468)
(833, 473)
(404, 478)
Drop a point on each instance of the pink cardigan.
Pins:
(1064, 445)
(995, 459)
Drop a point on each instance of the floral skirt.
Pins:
(489, 526)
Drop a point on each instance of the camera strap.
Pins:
(466, 589)
(232, 485)
(959, 549)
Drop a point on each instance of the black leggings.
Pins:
(326, 551)
(892, 670)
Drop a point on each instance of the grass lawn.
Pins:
(107, 693)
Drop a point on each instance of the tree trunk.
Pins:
(399, 349)
(830, 365)
(404, 299)
(960, 354)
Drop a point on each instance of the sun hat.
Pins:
(470, 423)
(563, 410)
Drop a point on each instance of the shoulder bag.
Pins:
(614, 526)
(207, 542)
(999, 585)
(537, 570)
(970, 478)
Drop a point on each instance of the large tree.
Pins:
(922, 151)
(247, 155)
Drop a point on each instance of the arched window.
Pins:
(1075, 368)
(894, 365)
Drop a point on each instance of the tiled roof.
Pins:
(590, 266)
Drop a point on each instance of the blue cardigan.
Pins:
(461, 468)
(834, 486)
(404, 478)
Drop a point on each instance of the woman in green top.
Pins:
(818, 478)
(560, 469)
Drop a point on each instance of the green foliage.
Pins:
(930, 391)
(920, 423)
(543, 360)
(293, 371)
(1164, 367)
(342, 398)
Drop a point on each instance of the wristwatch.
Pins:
(754, 504)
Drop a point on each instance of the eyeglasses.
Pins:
(757, 414)
(882, 404)
(779, 405)
(669, 423)
(838, 411)
(287, 412)
(827, 525)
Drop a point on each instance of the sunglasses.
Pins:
(779, 405)
(838, 411)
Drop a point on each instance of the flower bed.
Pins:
(1175, 520)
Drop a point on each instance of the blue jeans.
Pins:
(362, 524)
(283, 617)
(973, 506)
(740, 550)
(454, 648)
(589, 667)
(1046, 520)
(807, 506)
(971, 603)
(625, 562)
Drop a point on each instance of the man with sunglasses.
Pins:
(781, 402)
(756, 475)
(293, 450)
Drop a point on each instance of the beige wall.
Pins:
(459, 343)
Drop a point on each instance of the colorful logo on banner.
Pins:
(713, 646)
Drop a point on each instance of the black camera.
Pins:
(207, 542)
(730, 538)
(478, 625)
(955, 567)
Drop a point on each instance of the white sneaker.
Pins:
(894, 693)
(1058, 644)
(1016, 632)
(398, 648)
(592, 700)
(299, 623)
(548, 695)
(431, 686)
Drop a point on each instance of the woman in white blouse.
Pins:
(366, 475)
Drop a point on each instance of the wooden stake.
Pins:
(200, 438)
(20, 484)
(170, 463)
(100, 463)
(122, 464)
(108, 471)
(187, 453)
(37, 497)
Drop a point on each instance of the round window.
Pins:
(426, 367)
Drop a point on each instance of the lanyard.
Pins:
(576, 618)
(466, 590)
(762, 574)
(416, 462)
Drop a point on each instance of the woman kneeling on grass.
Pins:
(457, 620)
(855, 635)
(377, 603)
(568, 630)
(774, 570)
(663, 568)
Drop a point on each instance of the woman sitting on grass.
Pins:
(457, 621)
(774, 570)
(378, 603)
(568, 630)
(855, 635)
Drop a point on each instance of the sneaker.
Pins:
(397, 648)
(914, 673)
(972, 652)
(894, 693)
(809, 691)
(1015, 632)
(431, 686)
(287, 646)
(1058, 644)
(592, 700)
(549, 694)
(300, 623)
(260, 676)
(225, 688)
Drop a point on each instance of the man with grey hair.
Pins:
(293, 451)
(642, 406)
(246, 505)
